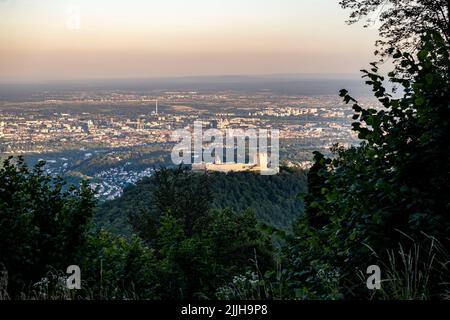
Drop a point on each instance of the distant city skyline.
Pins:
(80, 39)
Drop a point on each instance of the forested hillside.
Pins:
(276, 200)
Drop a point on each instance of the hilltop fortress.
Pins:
(262, 164)
(207, 149)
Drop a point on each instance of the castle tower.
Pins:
(262, 160)
(217, 160)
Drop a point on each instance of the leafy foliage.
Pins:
(402, 22)
(118, 268)
(198, 248)
(394, 183)
(41, 226)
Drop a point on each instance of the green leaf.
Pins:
(419, 101)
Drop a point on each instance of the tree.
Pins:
(395, 183)
(118, 268)
(198, 248)
(223, 244)
(402, 22)
(178, 192)
(43, 223)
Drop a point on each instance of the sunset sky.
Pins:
(42, 40)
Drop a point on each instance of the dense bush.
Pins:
(118, 268)
(393, 187)
(198, 248)
(42, 224)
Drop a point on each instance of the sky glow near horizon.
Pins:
(139, 38)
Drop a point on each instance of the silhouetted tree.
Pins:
(402, 22)
(395, 183)
(42, 224)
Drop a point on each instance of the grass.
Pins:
(418, 271)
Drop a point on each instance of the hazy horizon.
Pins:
(51, 40)
(281, 76)
(293, 84)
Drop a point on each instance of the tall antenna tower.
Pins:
(156, 107)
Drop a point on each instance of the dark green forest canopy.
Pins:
(275, 199)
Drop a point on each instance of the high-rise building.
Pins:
(140, 124)
(88, 126)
